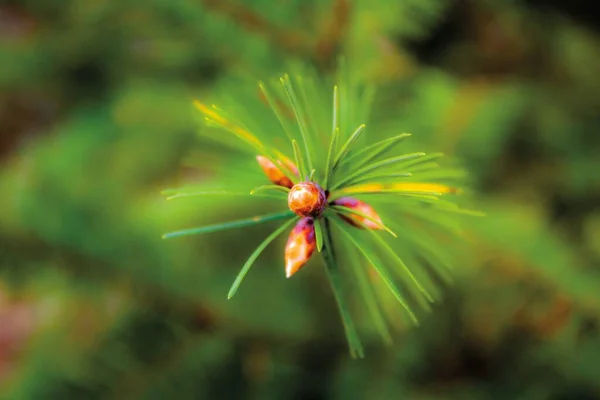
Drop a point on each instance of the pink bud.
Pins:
(362, 207)
(300, 246)
(274, 174)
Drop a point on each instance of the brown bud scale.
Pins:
(307, 199)
(274, 174)
(300, 246)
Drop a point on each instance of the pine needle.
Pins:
(379, 269)
(356, 349)
(414, 187)
(375, 166)
(319, 234)
(319, 105)
(395, 256)
(432, 253)
(425, 159)
(254, 256)
(336, 110)
(366, 102)
(332, 147)
(299, 161)
(276, 110)
(368, 294)
(346, 146)
(375, 178)
(289, 90)
(308, 114)
(378, 188)
(435, 217)
(229, 225)
(183, 194)
(219, 120)
(277, 188)
(440, 174)
(371, 152)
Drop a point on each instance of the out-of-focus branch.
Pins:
(332, 32)
(322, 49)
(290, 40)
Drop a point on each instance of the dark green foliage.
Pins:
(97, 118)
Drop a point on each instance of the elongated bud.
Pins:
(361, 207)
(274, 174)
(287, 163)
(300, 246)
(307, 199)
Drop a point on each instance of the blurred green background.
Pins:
(96, 119)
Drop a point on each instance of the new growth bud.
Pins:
(307, 199)
(300, 246)
(363, 208)
(285, 162)
(274, 174)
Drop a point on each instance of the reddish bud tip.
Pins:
(273, 172)
(300, 246)
(307, 199)
(287, 163)
(361, 207)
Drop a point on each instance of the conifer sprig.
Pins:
(326, 218)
